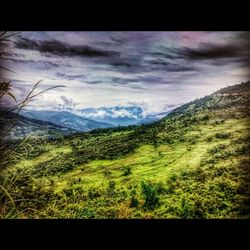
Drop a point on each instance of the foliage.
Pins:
(127, 171)
(149, 192)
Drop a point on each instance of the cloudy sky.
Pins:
(152, 70)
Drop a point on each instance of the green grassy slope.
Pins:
(192, 164)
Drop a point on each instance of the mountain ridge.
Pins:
(26, 126)
(67, 119)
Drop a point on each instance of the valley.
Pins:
(193, 163)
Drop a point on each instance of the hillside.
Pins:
(67, 119)
(31, 127)
(194, 163)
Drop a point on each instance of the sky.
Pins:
(152, 70)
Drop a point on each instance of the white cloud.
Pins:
(99, 114)
(122, 113)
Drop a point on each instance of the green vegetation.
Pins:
(192, 164)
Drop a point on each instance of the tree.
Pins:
(149, 192)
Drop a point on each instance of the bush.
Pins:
(73, 181)
(111, 188)
(205, 118)
(134, 202)
(185, 207)
(106, 173)
(94, 193)
(200, 174)
(173, 177)
(126, 171)
(149, 192)
(87, 213)
(209, 139)
(110, 213)
(217, 149)
(192, 208)
(222, 135)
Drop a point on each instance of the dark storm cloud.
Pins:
(206, 51)
(165, 59)
(94, 82)
(77, 77)
(151, 79)
(127, 65)
(121, 64)
(62, 49)
(244, 62)
(140, 65)
(127, 61)
(142, 79)
(38, 63)
(212, 51)
(170, 67)
(123, 80)
(70, 77)
(168, 53)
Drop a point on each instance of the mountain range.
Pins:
(15, 126)
(92, 118)
(40, 123)
(66, 119)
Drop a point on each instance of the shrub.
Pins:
(106, 173)
(149, 192)
(134, 202)
(200, 174)
(111, 188)
(126, 171)
(185, 207)
(173, 177)
(73, 181)
(111, 185)
(209, 139)
(193, 141)
(93, 193)
(205, 118)
(111, 213)
(222, 135)
(217, 149)
(87, 213)
(243, 149)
